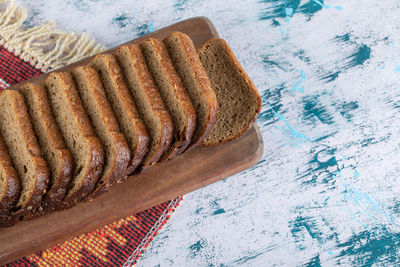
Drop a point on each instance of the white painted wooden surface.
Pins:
(326, 191)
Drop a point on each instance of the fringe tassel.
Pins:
(44, 47)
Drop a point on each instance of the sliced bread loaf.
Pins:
(106, 126)
(23, 147)
(149, 101)
(9, 187)
(79, 136)
(186, 61)
(124, 107)
(238, 100)
(54, 150)
(174, 94)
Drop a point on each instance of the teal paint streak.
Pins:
(180, 5)
(314, 111)
(270, 63)
(359, 56)
(368, 141)
(277, 8)
(32, 16)
(393, 101)
(196, 247)
(302, 55)
(322, 160)
(325, 136)
(198, 210)
(313, 262)
(372, 140)
(331, 76)
(329, 154)
(347, 109)
(370, 247)
(309, 9)
(144, 29)
(343, 38)
(275, 23)
(79, 5)
(124, 20)
(373, 245)
(246, 259)
(362, 54)
(215, 203)
(271, 98)
(219, 211)
(301, 225)
(121, 20)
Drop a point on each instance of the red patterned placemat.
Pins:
(119, 243)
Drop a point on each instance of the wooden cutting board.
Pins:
(183, 174)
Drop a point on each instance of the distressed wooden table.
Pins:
(326, 190)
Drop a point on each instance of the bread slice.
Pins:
(78, 134)
(23, 147)
(187, 63)
(106, 126)
(10, 187)
(149, 101)
(238, 100)
(174, 94)
(54, 150)
(124, 107)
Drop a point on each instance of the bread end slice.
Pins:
(239, 102)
